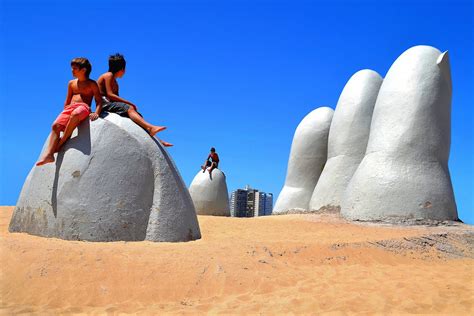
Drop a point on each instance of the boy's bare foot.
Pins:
(166, 144)
(45, 160)
(156, 129)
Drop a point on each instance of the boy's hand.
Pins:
(93, 116)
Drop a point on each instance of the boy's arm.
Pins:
(69, 94)
(207, 159)
(110, 92)
(98, 102)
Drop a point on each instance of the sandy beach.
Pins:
(287, 264)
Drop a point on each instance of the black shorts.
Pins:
(119, 108)
(209, 163)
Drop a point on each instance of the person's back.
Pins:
(108, 76)
(113, 103)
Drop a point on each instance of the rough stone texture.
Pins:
(307, 158)
(111, 182)
(404, 175)
(209, 194)
(348, 138)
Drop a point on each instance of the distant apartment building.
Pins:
(250, 202)
(238, 203)
(268, 204)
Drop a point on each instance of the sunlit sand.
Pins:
(303, 264)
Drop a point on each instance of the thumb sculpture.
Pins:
(404, 175)
(347, 140)
(209, 193)
(307, 158)
(111, 182)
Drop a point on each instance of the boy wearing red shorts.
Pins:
(77, 108)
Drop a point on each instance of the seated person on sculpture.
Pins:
(114, 104)
(211, 162)
(77, 108)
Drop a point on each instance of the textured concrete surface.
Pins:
(404, 175)
(348, 138)
(307, 158)
(209, 194)
(110, 182)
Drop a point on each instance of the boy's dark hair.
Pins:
(213, 149)
(116, 63)
(82, 62)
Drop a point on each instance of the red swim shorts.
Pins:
(80, 109)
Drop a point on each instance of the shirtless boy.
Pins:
(109, 90)
(77, 107)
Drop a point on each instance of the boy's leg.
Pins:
(71, 125)
(48, 155)
(213, 166)
(152, 129)
(204, 167)
(77, 116)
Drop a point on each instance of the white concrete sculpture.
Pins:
(307, 158)
(347, 140)
(209, 193)
(111, 182)
(404, 175)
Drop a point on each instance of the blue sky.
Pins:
(236, 75)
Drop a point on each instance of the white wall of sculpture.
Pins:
(388, 147)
